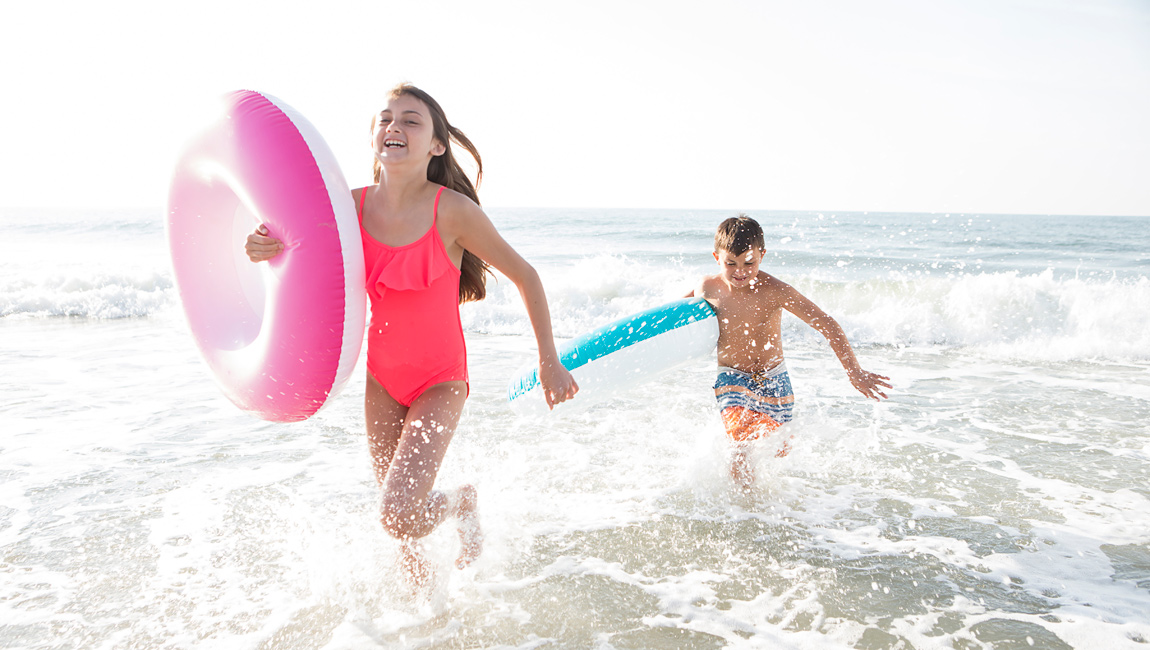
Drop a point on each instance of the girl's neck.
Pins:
(399, 187)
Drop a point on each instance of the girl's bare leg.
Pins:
(411, 508)
(408, 446)
(466, 511)
(385, 418)
(418, 572)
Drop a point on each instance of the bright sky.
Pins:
(1010, 106)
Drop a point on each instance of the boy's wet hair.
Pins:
(738, 235)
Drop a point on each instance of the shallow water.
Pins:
(999, 499)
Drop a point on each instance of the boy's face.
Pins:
(739, 271)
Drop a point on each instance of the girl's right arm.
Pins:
(260, 247)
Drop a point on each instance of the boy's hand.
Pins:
(558, 384)
(260, 247)
(869, 384)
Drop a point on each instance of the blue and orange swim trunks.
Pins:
(754, 404)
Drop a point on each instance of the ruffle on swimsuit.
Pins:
(409, 268)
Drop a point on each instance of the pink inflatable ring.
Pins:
(281, 337)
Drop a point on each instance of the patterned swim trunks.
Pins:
(754, 404)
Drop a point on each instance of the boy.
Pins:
(753, 388)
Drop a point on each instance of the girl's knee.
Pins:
(398, 524)
(406, 519)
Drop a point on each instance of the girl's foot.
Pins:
(466, 511)
(417, 571)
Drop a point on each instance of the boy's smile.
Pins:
(739, 271)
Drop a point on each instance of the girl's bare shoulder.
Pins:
(457, 208)
(357, 198)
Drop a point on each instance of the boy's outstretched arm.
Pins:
(871, 385)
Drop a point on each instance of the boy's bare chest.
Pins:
(744, 317)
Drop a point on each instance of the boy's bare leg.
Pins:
(465, 509)
(742, 471)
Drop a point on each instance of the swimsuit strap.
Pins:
(362, 200)
(435, 210)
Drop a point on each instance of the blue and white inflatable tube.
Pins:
(624, 353)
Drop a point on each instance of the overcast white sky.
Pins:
(1010, 106)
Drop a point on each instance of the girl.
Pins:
(426, 248)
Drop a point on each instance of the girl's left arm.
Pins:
(475, 232)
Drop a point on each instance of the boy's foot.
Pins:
(466, 512)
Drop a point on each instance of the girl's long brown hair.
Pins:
(447, 171)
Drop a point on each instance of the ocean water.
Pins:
(999, 499)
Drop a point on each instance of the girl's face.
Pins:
(739, 271)
(404, 132)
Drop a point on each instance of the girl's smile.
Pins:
(404, 130)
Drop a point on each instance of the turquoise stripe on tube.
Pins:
(620, 334)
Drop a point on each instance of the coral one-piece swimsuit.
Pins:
(415, 338)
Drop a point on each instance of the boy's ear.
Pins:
(715, 255)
